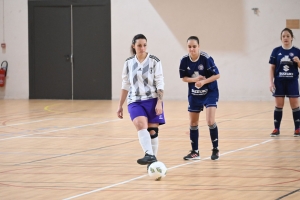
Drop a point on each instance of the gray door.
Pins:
(92, 52)
(69, 47)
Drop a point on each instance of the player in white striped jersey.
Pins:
(143, 85)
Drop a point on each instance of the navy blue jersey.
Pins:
(204, 66)
(285, 67)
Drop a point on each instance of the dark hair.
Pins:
(193, 38)
(136, 37)
(288, 30)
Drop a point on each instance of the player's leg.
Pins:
(154, 121)
(213, 130)
(153, 130)
(279, 103)
(194, 113)
(279, 95)
(140, 121)
(293, 94)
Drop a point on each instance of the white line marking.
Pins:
(25, 123)
(110, 186)
(63, 129)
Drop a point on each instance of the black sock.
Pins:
(194, 137)
(277, 117)
(296, 116)
(213, 129)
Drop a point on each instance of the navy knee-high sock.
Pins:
(277, 117)
(296, 116)
(194, 136)
(213, 129)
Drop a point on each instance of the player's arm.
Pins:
(121, 102)
(193, 80)
(159, 79)
(272, 72)
(124, 90)
(199, 84)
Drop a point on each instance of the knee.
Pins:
(210, 122)
(140, 125)
(153, 132)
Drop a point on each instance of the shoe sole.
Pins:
(196, 158)
(145, 163)
(296, 135)
(274, 135)
(215, 159)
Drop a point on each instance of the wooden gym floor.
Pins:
(62, 149)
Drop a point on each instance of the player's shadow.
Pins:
(218, 24)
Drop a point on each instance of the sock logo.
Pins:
(275, 120)
(215, 140)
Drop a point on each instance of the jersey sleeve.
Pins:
(158, 76)
(273, 57)
(183, 68)
(125, 77)
(212, 69)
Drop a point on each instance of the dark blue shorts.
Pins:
(146, 108)
(289, 88)
(196, 104)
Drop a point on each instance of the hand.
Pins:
(158, 108)
(199, 84)
(120, 112)
(272, 88)
(296, 59)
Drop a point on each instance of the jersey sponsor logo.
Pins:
(286, 68)
(286, 74)
(200, 67)
(199, 92)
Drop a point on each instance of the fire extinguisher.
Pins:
(3, 72)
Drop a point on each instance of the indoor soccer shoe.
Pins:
(275, 133)
(148, 159)
(215, 154)
(192, 156)
(297, 133)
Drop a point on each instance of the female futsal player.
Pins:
(284, 75)
(143, 85)
(200, 72)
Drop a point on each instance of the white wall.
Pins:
(239, 41)
(16, 53)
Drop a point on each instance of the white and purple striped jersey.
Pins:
(142, 80)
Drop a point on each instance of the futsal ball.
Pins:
(157, 170)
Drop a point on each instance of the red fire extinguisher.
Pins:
(3, 72)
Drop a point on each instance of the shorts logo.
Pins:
(160, 117)
(200, 67)
(286, 68)
(291, 54)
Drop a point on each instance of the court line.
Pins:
(63, 129)
(288, 194)
(174, 167)
(1, 126)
